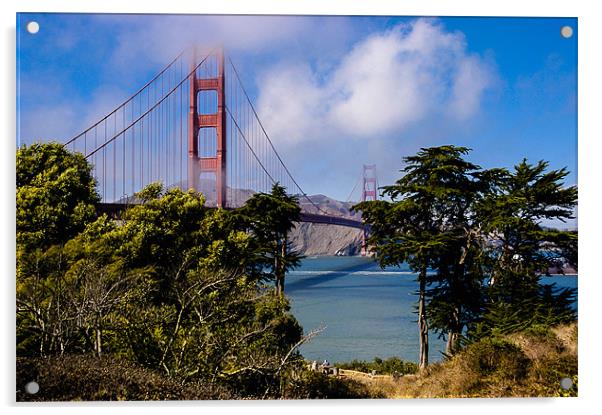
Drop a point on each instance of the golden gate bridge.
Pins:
(193, 126)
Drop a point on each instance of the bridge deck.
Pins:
(331, 220)
(114, 209)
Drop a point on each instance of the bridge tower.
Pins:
(369, 193)
(199, 161)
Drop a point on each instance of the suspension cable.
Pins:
(248, 144)
(359, 179)
(269, 140)
(127, 100)
(150, 109)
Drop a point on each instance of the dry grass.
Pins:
(377, 386)
(567, 335)
(519, 365)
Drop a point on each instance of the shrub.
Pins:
(523, 364)
(390, 366)
(86, 378)
(498, 358)
(546, 373)
(316, 385)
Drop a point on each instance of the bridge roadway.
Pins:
(114, 209)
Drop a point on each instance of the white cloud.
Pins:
(386, 83)
(291, 103)
(51, 111)
(473, 77)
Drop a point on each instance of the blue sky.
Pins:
(339, 91)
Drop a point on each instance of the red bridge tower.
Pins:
(369, 193)
(197, 122)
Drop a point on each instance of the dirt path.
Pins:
(385, 386)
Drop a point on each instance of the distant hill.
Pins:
(317, 239)
(330, 206)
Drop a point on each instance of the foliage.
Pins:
(85, 378)
(497, 357)
(548, 307)
(524, 249)
(521, 250)
(270, 217)
(392, 365)
(55, 200)
(429, 223)
(523, 364)
(479, 232)
(177, 288)
(309, 384)
(56, 195)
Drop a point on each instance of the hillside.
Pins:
(527, 364)
(319, 239)
(330, 206)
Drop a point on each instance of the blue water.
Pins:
(365, 311)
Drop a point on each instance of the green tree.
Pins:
(56, 195)
(513, 217)
(457, 296)
(270, 217)
(427, 224)
(521, 250)
(208, 316)
(55, 199)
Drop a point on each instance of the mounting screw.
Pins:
(32, 388)
(566, 383)
(566, 32)
(33, 27)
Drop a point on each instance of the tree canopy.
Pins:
(56, 195)
(270, 217)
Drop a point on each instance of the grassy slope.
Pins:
(518, 365)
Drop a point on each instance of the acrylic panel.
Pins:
(292, 207)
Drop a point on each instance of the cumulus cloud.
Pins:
(387, 82)
(292, 104)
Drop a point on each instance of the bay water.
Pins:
(364, 311)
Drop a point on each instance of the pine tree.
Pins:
(271, 217)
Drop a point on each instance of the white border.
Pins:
(590, 68)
